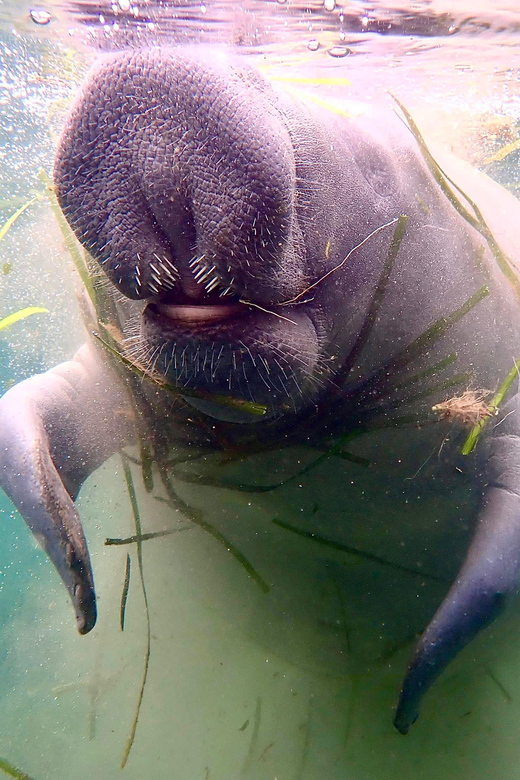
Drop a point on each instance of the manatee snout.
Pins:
(180, 178)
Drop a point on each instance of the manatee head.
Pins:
(180, 178)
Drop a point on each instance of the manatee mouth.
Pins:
(200, 334)
(193, 314)
(233, 350)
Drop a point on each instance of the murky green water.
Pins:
(299, 683)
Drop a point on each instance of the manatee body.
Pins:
(303, 261)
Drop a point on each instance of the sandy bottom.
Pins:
(296, 684)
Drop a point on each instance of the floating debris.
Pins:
(469, 408)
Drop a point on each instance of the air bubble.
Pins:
(329, 5)
(40, 15)
(338, 51)
(124, 5)
(313, 45)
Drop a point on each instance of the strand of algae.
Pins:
(436, 330)
(12, 219)
(124, 594)
(111, 542)
(174, 500)
(138, 529)
(353, 550)
(15, 202)
(68, 236)
(494, 406)
(417, 348)
(377, 298)
(235, 403)
(478, 222)
(430, 371)
(16, 316)
(147, 466)
(336, 450)
(13, 771)
(503, 152)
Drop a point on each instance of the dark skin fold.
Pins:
(300, 259)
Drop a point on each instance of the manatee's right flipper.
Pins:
(487, 579)
(55, 429)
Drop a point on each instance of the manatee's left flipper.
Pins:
(55, 429)
(487, 579)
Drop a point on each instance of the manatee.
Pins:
(299, 275)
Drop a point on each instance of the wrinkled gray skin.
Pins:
(199, 187)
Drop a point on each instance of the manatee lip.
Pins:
(197, 313)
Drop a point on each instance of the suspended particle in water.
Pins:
(313, 45)
(338, 51)
(329, 5)
(40, 15)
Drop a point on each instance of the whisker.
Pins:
(340, 265)
(267, 311)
